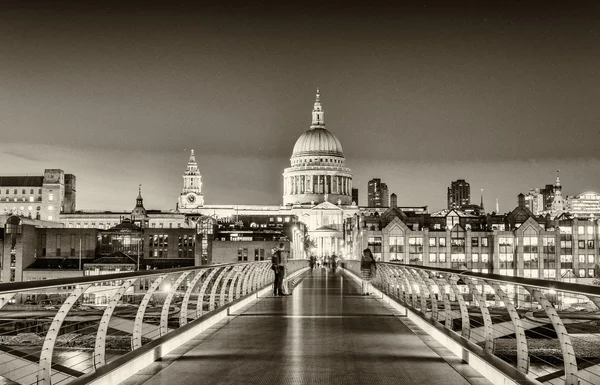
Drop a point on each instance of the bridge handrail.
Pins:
(90, 315)
(555, 325)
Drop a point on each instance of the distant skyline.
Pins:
(500, 94)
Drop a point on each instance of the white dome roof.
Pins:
(317, 141)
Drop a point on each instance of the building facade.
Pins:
(516, 244)
(459, 194)
(39, 197)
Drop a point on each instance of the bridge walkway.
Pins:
(325, 333)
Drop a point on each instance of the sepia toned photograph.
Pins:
(285, 192)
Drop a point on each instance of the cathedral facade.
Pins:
(317, 190)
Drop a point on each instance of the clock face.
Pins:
(191, 198)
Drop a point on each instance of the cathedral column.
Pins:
(326, 190)
(302, 184)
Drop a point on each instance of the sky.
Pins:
(502, 94)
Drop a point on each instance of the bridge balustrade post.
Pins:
(485, 314)
(200, 299)
(569, 358)
(448, 317)
(164, 314)
(186, 298)
(428, 281)
(464, 312)
(100, 345)
(522, 350)
(215, 286)
(138, 324)
(45, 364)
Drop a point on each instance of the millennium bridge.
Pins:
(220, 324)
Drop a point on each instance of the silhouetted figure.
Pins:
(278, 267)
(368, 268)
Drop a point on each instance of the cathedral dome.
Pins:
(317, 141)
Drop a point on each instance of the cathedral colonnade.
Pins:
(317, 184)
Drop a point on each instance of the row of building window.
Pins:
(242, 253)
(24, 191)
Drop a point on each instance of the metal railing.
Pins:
(53, 331)
(548, 331)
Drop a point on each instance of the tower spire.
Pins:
(139, 191)
(497, 207)
(557, 178)
(317, 113)
(481, 203)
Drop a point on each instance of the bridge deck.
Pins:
(325, 333)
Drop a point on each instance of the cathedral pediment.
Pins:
(326, 206)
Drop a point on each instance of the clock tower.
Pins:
(191, 196)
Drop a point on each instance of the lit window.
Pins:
(50, 208)
(30, 199)
(51, 197)
(49, 217)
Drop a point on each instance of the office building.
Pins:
(459, 194)
(377, 194)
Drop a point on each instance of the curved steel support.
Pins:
(228, 283)
(418, 280)
(100, 346)
(566, 345)
(45, 365)
(409, 294)
(405, 287)
(261, 277)
(464, 312)
(239, 272)
(522, 350)
(398, 287)
(247, 279)
(448, 317)
(215, 286)
(164, 313)
(139, 317)
(387, 274)
(485, 314)
(432, 295)
(410, 282)
(200, 299)
(241, 278)
(186, 298)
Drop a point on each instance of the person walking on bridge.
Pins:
(278, 267)
(368, 268)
